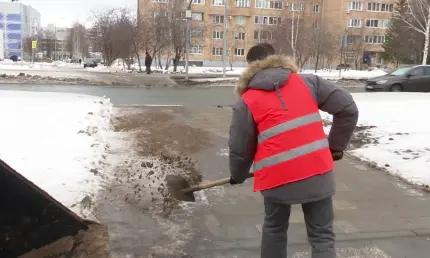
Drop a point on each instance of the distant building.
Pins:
(61, 45)
(12, 17)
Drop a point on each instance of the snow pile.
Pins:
(58, 142)
(346, 74)
(401, 137)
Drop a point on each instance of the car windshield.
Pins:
(400, 71)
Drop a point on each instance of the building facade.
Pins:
(12, 17)
(356, 28)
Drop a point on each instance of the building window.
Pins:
(160, 14)
(374, 39)
(267, 20)
(160, 1)
(239, 51)
(265, 35)
(240, 36)
(354, 23)
(218, 2)
(218, 19)
(316, 8)
(378, 7)
(218, 35)
(241, 20)
(196, 49)
(375, 23)
(217, 51)
(198, 1)
(243, 3)
(356, 6)
(296, 7)
(196, 33)
(197, 16)
(268, 4)
(372, 23)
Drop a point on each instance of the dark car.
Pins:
(408, 78)
(90, 64)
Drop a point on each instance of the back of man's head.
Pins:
(259, 52)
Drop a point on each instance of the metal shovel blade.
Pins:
(176, 185)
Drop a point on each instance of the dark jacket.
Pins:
(336, 101)
(148, 60)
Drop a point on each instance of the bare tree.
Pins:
(77, 41)
(300, 31)
(155, 29)
(102, 34)
(417, 18)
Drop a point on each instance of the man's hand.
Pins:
(336, 155)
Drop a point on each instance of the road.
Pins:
(377, 215)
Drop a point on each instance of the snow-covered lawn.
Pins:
(401, 136)
(56, 140)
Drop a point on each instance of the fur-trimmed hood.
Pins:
(265, 74)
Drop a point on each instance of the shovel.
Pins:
(182, 191)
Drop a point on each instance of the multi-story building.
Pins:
(12, 17)
(356, 28)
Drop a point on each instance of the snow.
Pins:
(400, 137)
(118, 66)
(56, 140)
(347, 74)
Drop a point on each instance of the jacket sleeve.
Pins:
(242, 142)
(339, 103)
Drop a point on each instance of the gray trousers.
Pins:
(319, 224)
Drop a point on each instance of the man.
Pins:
(148, 62)
(276, 125)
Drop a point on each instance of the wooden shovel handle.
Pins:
(211, 184)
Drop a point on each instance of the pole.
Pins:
(224, 48)
(32, 54)
(22, 36)
(187, 47)
(55, 40)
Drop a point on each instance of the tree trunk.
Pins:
(426, 38)
(317, 61)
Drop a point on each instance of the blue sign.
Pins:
(15, 45)
(13, 26)
(16, 53)
(13, 17)
(14, 36)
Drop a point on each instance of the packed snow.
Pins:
(399, 137)
(57, 141)
(119, 66)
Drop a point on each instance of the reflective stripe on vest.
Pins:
(292, 145)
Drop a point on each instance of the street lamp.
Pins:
(20, 27)
(224, 48)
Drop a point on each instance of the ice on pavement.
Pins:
(401, 133)
(56, 140)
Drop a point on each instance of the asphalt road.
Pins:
(377, 215)
(147, 95)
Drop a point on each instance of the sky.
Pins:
(64, 13)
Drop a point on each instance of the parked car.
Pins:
(409, 78)
(90, 63)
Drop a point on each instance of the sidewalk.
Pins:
(376, 215)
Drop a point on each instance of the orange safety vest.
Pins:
(292, 145)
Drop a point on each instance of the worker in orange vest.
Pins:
(277, 128)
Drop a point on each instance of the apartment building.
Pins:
(358, 27)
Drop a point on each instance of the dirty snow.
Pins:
(56, 141)
(400, 135)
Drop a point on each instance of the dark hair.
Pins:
(259, 52)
